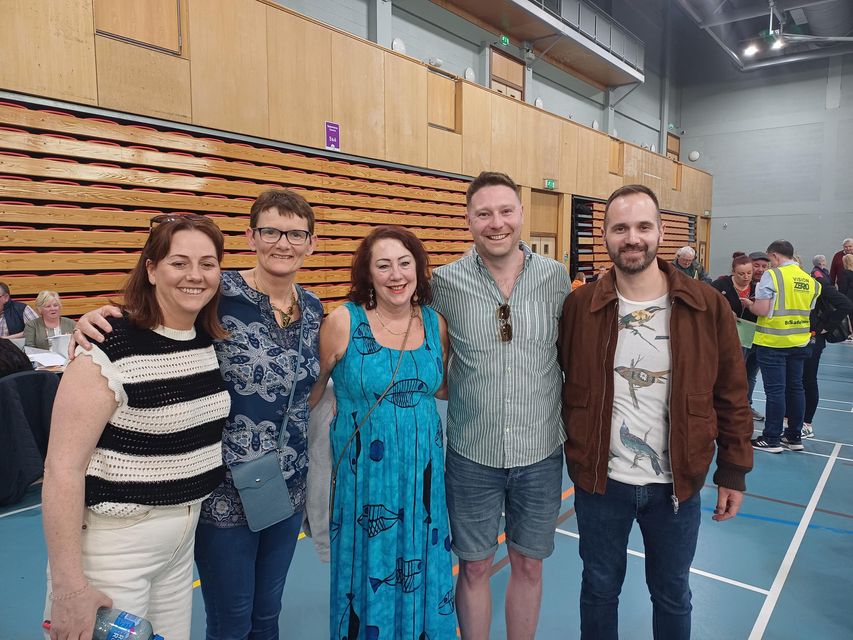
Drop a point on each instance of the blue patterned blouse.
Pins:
(257, 364)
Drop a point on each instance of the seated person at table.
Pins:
(39, 330)
(12, 359)
(13, 315)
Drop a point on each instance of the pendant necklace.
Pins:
(285, 315)
(389, 329)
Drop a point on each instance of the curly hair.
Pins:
(361, 284)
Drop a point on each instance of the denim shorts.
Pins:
(530, 496)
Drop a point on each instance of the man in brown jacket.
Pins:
(654, 378)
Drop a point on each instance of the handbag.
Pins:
(260, 483)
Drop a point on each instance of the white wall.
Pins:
(779, 143)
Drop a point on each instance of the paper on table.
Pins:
(47, 359)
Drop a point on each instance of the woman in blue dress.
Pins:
(385, 349)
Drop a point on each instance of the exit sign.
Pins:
(550, 184)
(505, 41)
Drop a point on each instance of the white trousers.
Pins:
(145, 564)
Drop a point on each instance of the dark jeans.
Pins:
(782, 372)
(604, 522)
(751, 362)
(810, 378)
(242, 577)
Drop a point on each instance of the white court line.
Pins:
(842, 366)
(699, 572)
(763, 398)
(825, 455)
(788, 561)
(11, 513)
(843, 444)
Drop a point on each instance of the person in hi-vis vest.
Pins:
(783, 299)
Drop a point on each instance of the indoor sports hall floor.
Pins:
(782, 569)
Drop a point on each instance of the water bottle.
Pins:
(115, 624)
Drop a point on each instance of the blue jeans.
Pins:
(751, 362)
(242, 577)
(782, 372)
(604, 522)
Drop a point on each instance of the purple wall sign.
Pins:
(333, 136)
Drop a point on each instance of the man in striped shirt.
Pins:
(502, 304)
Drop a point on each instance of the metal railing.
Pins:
(593, 23)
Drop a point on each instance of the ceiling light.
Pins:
(750, 51)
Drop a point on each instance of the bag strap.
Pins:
(286, 419)
(364, 419)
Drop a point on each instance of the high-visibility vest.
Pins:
(796, 292)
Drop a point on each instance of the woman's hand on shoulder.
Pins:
(92, 326)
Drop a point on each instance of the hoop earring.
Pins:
(371, 300)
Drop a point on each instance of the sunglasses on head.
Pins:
(176, 217)
(505, 328)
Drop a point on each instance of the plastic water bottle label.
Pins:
(124, 626)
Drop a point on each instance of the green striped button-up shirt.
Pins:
(504, 397)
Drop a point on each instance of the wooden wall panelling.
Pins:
(161, 82)
(444, 150)
(46, 121)
(476, 129)
(564, 229)
(300, 73)
(544, 213)
(568, 158)
(405, 110)
(526, 197)
(594, 178)
(441, 100)
(616, 163)
(504, 135)
(229, 66)
(538, 147)
(152, 22)
(47, 48)
(358, 96)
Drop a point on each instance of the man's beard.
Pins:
(632, 266)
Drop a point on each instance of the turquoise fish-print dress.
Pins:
(391, 568)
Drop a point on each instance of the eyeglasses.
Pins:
(272, 235)
(505, 328)
(175, 217)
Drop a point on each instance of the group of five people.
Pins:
(147, 435)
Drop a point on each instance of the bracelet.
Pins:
(68, 596)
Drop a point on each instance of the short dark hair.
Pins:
(782, 247)
(286, 202)
(628, 190)
(4, 289)
(360, 285)
(489, 179)
(140, 302)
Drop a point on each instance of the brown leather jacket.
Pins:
(708, 386)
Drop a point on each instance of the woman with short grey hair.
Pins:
(37, 333)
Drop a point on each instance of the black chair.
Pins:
(26, 403)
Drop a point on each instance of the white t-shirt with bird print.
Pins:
(639, 431)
